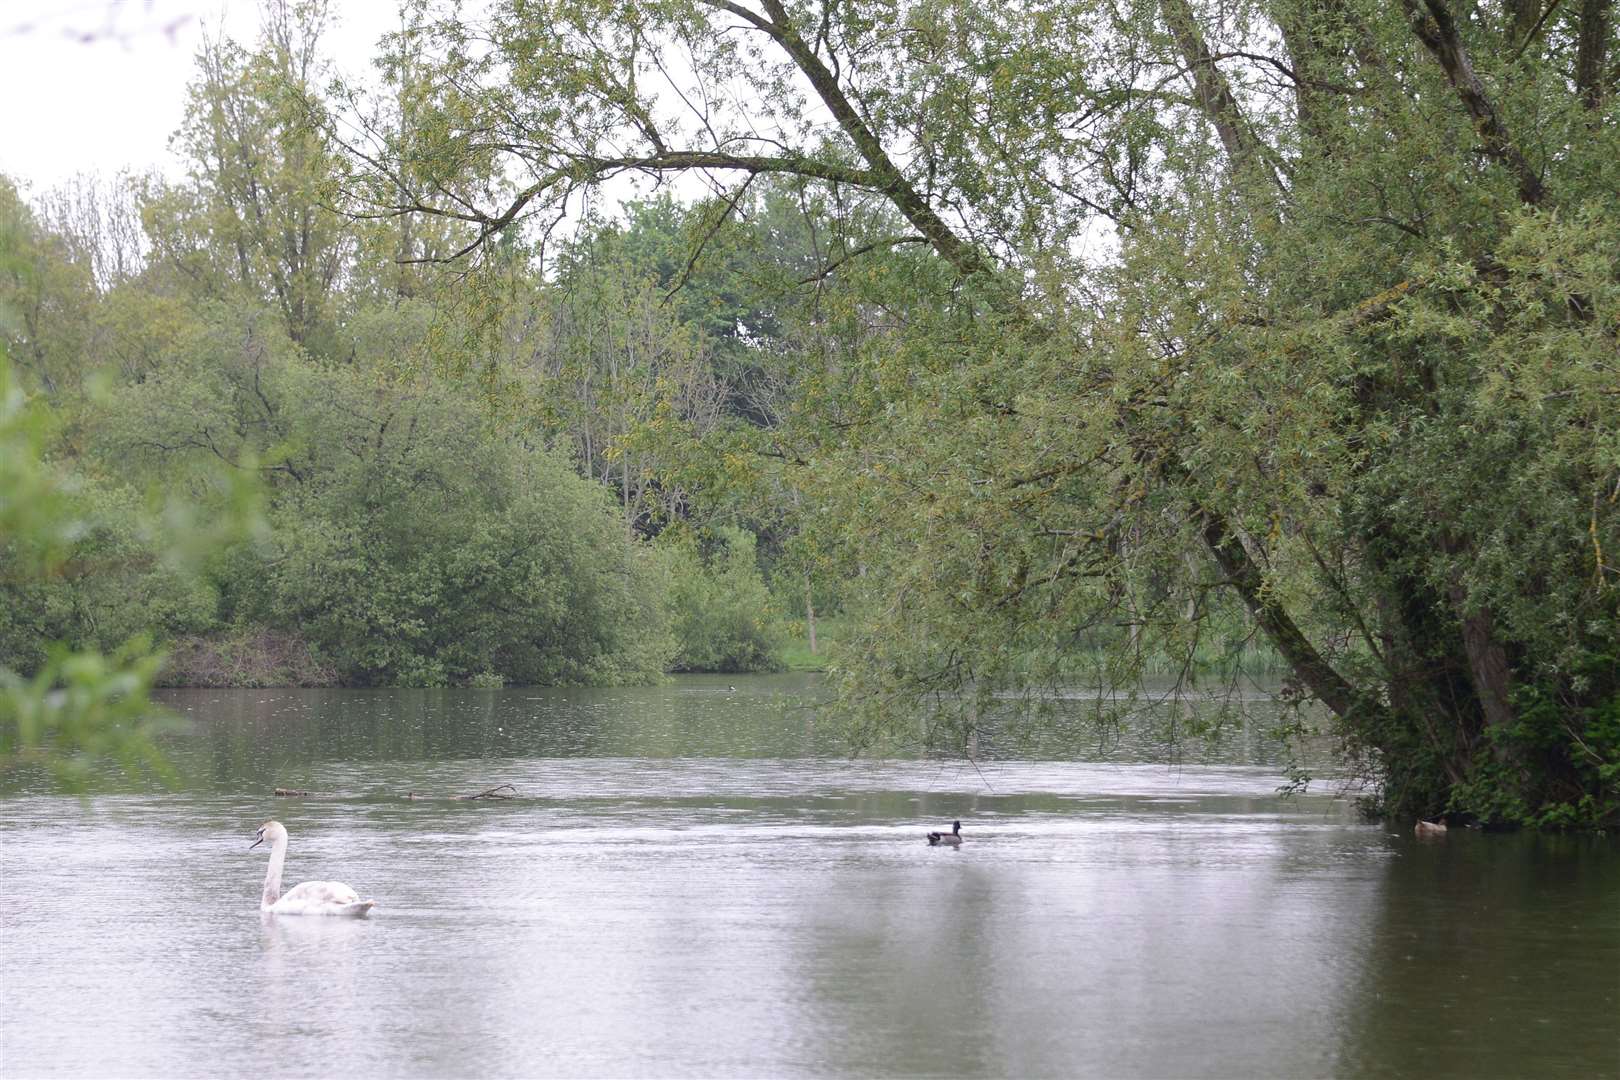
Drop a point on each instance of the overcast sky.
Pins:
(98, 85)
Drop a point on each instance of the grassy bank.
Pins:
(830, 633)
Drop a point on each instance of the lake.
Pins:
(695, 880)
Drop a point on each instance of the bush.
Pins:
(110, 584)
(445, 551)
(249, 657)
(720, 609)
(410, 544)
(1558, 765)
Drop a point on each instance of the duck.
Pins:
(309, 898)
(947, 839)
(1430, 828)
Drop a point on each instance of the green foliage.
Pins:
(45, 301)
(1558, 765)
(721, 613)
(619, 375)
(116, 581)
(1038, 367)
(410, 543)
(251, 222)
(83, 709)
(79, 708)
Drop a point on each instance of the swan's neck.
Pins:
(272, 873)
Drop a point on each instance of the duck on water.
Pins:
(947, 839)
(309, 898)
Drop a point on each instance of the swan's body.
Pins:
(1430, 828)
(309, 898)
(947, 839)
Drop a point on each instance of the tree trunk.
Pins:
(1309, 665)
(809, 615)
(1215, 95)
(1487, 660)
(1434, 25)
(1591, 50)
(1302, 26)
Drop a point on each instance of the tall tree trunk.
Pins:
(1591, 52)
(809, 615)
(1303, 26)
(1435, 26)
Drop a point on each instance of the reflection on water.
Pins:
(695, 882)
(277, 733)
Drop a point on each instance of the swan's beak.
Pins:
(257, 842)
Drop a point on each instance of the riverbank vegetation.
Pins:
(1046, 344)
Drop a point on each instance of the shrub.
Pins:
(721, 610)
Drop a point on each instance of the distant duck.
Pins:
(731, 689)
(947, 839)
(1430, 828)
(310, 898)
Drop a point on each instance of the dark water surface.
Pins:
(695, 881)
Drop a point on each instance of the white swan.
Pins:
(310, 898)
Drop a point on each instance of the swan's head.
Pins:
(270, 831)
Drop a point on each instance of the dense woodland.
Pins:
(1051, 344)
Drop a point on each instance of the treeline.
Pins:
(452, 477)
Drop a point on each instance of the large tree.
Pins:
(1321, 291)
(252, 218)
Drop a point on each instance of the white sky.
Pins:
(70, 105)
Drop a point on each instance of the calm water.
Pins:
(695, 882)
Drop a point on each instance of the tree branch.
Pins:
(886, 241)
(881, 168)
(1215, 95)
(1312, 668)
(1435, 27)
(697, 249)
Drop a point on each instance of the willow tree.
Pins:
(1312, 304)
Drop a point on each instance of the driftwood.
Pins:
(499, 791)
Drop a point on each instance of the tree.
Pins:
(99, 222)
(1352, 341)
(251, 221)
(606, 358)
(410, 544)
(45, 300)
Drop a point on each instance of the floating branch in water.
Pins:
(499, 791)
